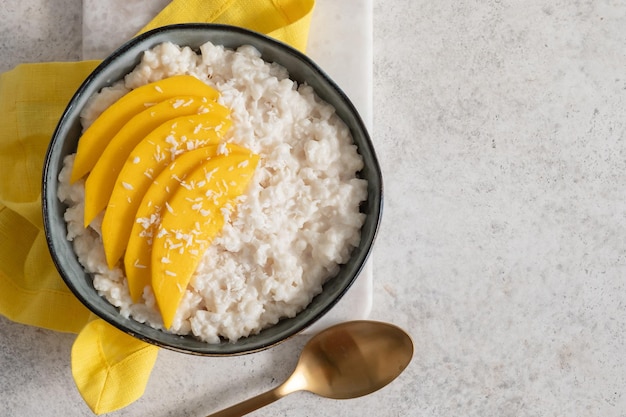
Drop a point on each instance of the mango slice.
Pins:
(101, 179)
(155, 152)
(97, 136)
(191, 221)
(139, 249)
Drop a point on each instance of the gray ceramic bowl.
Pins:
(65, 139)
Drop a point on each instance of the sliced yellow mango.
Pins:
(101, 179)
(139, 248)
(97, 136)
(191, 221)
(155, 152)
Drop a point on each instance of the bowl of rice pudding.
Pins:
(210, 190)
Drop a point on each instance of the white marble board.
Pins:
(340, 42)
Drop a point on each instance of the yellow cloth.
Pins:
(110, 368)
(285, 20)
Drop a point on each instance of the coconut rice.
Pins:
(297, 222)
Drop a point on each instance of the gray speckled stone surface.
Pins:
(501, 131)
(36, 31)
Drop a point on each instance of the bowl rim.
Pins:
(225, 348)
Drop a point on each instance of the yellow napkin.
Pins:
(285, 20)
(110, 368)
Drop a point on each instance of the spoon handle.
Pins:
(250, 404)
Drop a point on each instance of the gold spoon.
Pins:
(348, 360)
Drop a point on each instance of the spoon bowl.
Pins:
(348, 360)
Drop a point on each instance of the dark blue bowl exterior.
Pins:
(65, 139)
